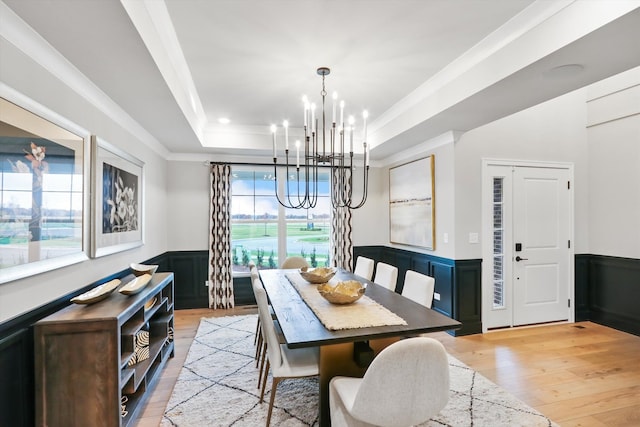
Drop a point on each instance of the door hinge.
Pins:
(568, 185)
(569, 244)
(569, 303)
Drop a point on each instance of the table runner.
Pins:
(363, 313)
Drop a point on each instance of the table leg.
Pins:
(337, 360)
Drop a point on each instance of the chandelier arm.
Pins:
(275, 183)
(365, 191)
(365, 178)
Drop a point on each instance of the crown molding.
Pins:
(153, 23)
(27, 40)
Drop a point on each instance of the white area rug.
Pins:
(218, 387)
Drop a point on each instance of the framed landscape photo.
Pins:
(412, 203)
(44, 178)
(117, 181)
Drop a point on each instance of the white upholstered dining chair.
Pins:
(364, 267)
(283, 361)
(414, 374)
(294, 262)
(419, 287)
(386, 275)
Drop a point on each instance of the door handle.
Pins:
(518, 258)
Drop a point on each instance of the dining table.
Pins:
(345, 349)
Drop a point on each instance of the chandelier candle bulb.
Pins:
(335, 98)
(313, 117)
(366, 153)
(273, 132)
(285, 124)
(305, 103)
(342, 114)
(298, 154)
(365, 114)
(351, 122)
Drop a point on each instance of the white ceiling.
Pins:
(420, 67)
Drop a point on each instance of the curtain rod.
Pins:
(209, 163)
(239, 163)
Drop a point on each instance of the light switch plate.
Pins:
(474, 238)
(436, 296)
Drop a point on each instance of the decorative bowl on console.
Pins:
(140, 269)
(136, 285)
(98, 293)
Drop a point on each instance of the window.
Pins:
(265, 232)
(498, 243)
(61, 197)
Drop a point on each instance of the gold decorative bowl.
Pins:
(343, 292)
(141, 269)
(317, 275)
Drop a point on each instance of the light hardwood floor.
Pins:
(580, 374)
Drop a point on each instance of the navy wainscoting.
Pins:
(613, 289)
(457, 281)
(607, 290)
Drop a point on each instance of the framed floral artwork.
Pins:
(44, 160)
(412, 203)
(117, 180)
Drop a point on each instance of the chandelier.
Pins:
(322, 148)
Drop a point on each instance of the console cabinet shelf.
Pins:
(82, 355)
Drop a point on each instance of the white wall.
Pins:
(29, 78)
(370, 223)
(377, 227)
(614, 176)
(188, 210)
(554, 131)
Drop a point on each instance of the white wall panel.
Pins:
(22, 74)
(614, 176)
(553, 131)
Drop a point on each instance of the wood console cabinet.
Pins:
(82, 353)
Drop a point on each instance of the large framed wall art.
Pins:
(117, 181)
(412, 203)
(44, 178)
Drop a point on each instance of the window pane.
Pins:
(498, 240)
(254, 219)
(242, 207)
(17, 181)
(56, 182)
(255, 213)
(242, 183)
(20, 200)
(57, 204)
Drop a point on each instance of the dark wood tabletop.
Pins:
(301, 327)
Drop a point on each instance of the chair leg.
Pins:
(264, 381)
(255, 338)
(274, 387)
(258, 347)
(264, 356)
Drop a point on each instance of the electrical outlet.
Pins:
(206, 283)
(436, 296)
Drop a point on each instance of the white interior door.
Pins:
(542, 241)
(527, 254)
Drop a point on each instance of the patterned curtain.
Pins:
(341, 244)
(220, 276)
